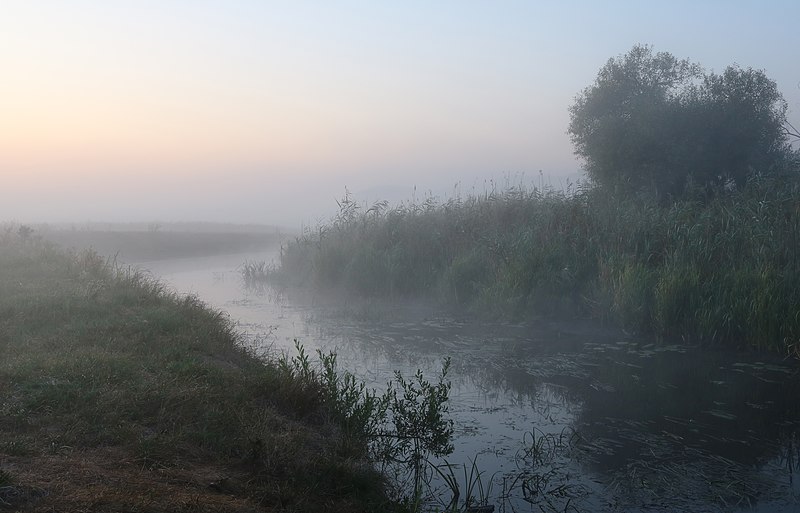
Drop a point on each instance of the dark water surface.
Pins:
(556, 416)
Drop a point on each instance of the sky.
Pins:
(268, 112)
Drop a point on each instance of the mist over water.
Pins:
(659, 195)
(597, 419)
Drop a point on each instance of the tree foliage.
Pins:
(653, 122)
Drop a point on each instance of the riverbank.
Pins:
(119, 395)
(719, 269)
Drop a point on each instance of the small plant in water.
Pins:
(403, 427)
(417, 426)
(476, 494)
(544, 482)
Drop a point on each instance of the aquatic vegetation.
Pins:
(402, 428)
(720, 270)
(476, 492)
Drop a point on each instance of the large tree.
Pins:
(653, 122)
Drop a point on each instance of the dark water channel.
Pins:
(556, 416)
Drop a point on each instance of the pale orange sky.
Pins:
(250, 111)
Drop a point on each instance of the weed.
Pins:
(402, 428)
(475, 494)
(418, 425)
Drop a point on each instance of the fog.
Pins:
(255, 113)
(291, 201)
(634, 348)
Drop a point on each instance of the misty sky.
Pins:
(258, 111)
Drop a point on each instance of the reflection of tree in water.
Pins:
(698, 426)
(683, 427)
(657, 425)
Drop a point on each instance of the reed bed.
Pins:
(718, 269)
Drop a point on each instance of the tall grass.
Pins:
(721, 269)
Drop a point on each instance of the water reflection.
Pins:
(559, 416)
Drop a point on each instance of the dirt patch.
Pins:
(107, 480)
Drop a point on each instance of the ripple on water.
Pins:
(657, 427)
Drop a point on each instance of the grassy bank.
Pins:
(117, 395)
(722, 270)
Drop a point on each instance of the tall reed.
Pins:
(717, 269)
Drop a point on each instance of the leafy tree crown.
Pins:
(653, 122)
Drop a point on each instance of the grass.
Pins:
(718, 270)
(119, 395)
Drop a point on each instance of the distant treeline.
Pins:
(723, 270)
(134, 246)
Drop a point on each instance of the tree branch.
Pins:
(790, 130)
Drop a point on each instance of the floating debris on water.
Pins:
(721, 414)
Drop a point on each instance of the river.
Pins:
(556, 416)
